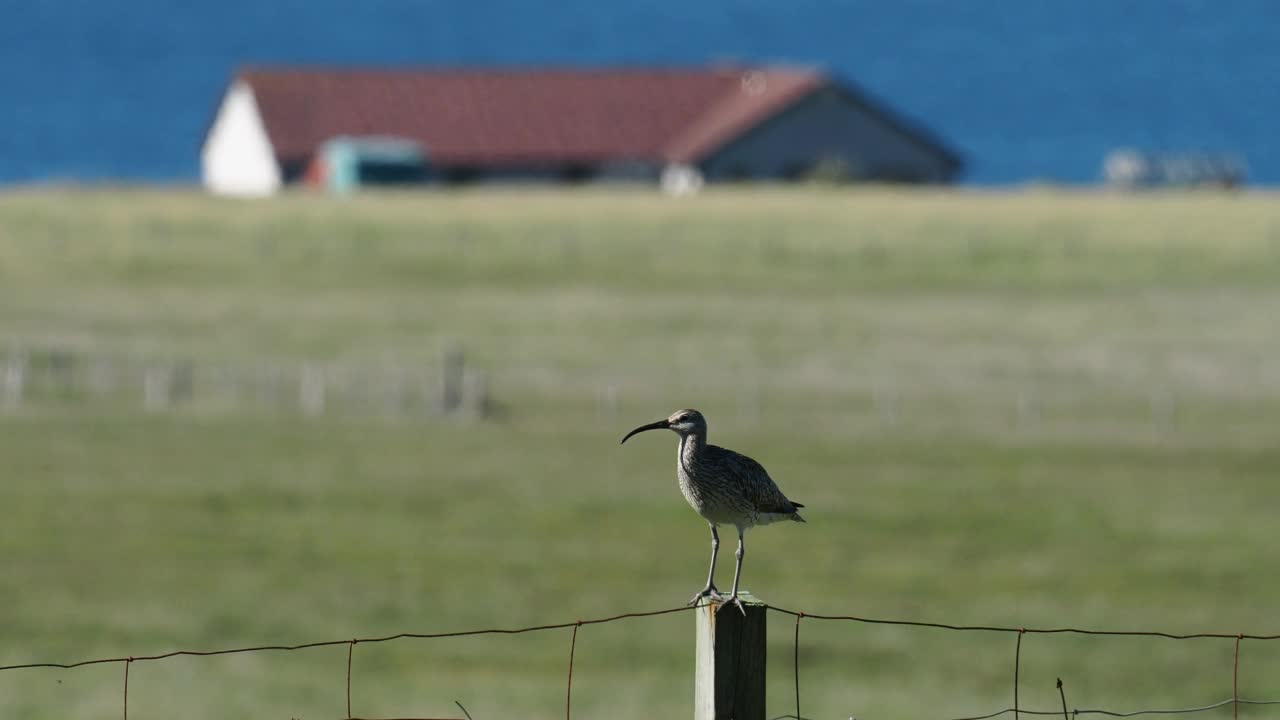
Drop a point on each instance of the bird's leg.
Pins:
(737, 571)
(710, 590)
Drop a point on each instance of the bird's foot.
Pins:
(732, 600)
(709, 591)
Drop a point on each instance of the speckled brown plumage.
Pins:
(729, 488)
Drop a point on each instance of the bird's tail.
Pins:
(795, 515)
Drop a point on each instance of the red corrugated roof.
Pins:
(527, 117)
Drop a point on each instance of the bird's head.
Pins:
(682, 422)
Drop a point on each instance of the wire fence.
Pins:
(34, 376)
(1033, 398)
(1016, 709)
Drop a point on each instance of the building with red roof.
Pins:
(683, 126)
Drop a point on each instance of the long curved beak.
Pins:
(660, 425)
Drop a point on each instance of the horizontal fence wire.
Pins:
(1114, 713)
(1009, 629)
(332, 643)
(1016, 710)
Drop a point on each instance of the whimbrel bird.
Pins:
(725, 488)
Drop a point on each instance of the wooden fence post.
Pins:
(729, 681)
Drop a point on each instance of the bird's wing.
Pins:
(756, 484)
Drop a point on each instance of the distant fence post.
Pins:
(60, 369)
(311, 388)
(15, 371)
(452, 371)
(475, 396)
(730, 665)
(1162, 405)
(607, 402)
(182, 383)
(157, 385)
(887, 404)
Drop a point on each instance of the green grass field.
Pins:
(1019, 408)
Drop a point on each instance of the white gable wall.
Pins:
(237, 158)
(827, 125)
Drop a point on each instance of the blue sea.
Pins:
(1026, 90)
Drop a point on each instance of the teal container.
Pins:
(351, 163)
